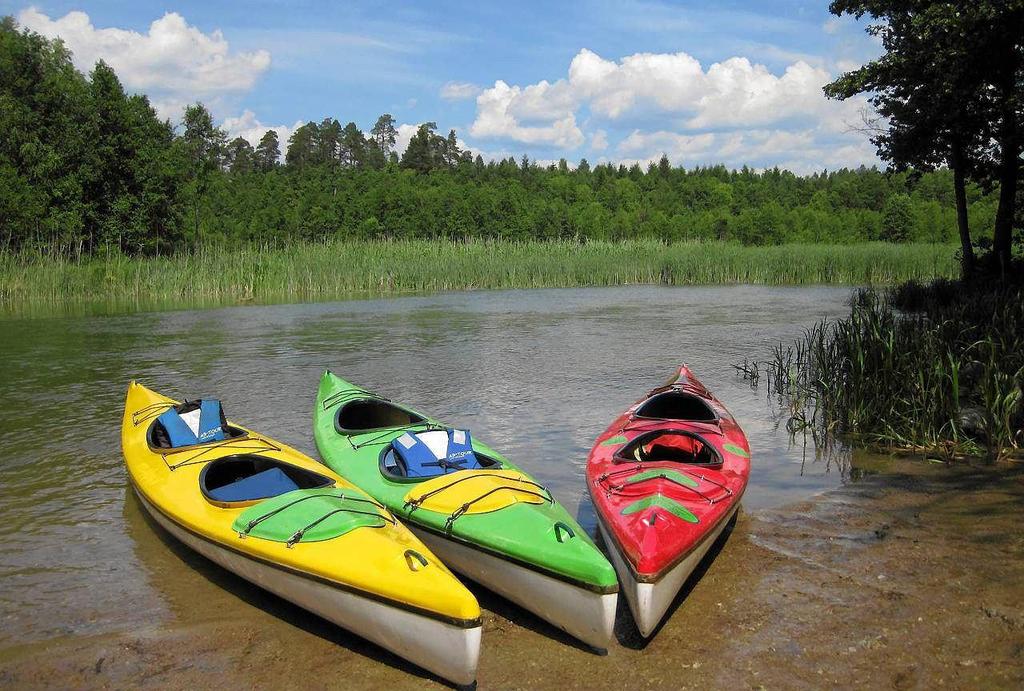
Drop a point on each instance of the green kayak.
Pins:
(482, 515)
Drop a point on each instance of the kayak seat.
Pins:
(436, 452)
(268, 483)
(677, 405)
(428, 464)
(676, 446)
(250, 477)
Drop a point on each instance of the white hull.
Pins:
(650, 601)
(447, 650)
(582, 613)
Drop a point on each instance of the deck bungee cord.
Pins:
(270, 514)
(147, 413)
(297, 536)
(461, 511)
(256, 444)
(349, 395)
(424, 426)
(632, 479)
(416, 502)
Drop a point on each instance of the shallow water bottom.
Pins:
(909, 579)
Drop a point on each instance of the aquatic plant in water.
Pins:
(946, 378)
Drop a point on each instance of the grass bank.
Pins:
(938, 369)
(325, 271)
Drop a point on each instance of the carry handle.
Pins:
(412, 556)
(559, 527)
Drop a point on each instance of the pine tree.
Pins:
(268, 152)
(239, 157)
(384, 134)
(303, 146)
(203, 146)
(352, 150)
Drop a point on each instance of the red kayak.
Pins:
(666, 477)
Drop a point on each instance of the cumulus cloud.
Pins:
(731, 111)
(248, 127)
(497, 110)
(405, 133)
(801, 151)
(174, 63)
(459, 91)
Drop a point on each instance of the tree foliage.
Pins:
(85, 166)
(950, 88)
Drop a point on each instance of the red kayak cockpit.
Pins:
(669, 445)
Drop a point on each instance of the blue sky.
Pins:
(731, 82)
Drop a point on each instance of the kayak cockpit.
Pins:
(250, 477)
(394, 468)
(369, 414)
(677, 405)
(675, 446)
(160, 437)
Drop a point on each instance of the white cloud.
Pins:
(405, 133)
(801, 151)
(670, 81)
(844, 65)
(459, 91)
(831, 26)
(495, 117)
(249, 128)
(734, 111)
(173, 63)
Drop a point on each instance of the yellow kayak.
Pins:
(292, 526)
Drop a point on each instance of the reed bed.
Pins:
(326, 271)
(946, 378)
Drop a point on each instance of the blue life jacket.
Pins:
(180, 433)
(421, 461)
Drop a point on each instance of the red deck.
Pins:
(658, 517)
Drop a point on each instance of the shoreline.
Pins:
(337, 270)
(866, 584)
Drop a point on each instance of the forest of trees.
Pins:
(87, 167)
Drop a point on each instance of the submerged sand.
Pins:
(912, 579)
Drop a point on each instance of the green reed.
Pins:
(226, 275)
(946, 378)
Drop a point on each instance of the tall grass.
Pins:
(948, 378)
(325, 271)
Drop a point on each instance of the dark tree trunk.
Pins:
(1002, 240)
(959, 190)
(1009, 166)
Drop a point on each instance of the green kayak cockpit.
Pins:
(393, 467)
(362, 415)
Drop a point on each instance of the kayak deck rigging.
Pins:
(351, 394)
(252, 444)
(513, 483)
(387, 432)
(636, 475)
(386, 516)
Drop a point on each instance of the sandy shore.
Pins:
(914, 579)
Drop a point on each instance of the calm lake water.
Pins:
(538, 374)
